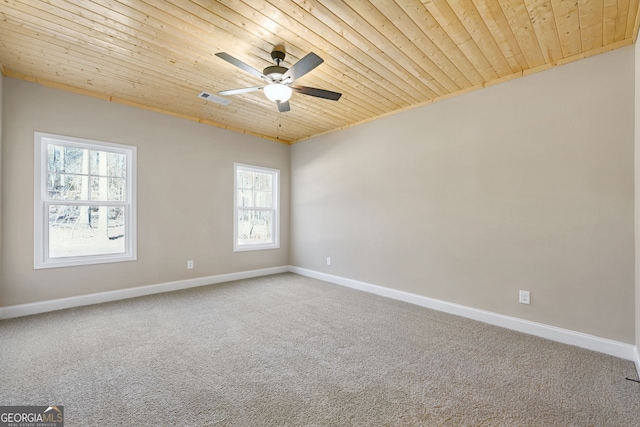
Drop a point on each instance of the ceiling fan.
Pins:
(280, 79)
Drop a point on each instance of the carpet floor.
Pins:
(287, 350)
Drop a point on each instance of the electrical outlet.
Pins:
(190, 265)
(524, 297)
(328, 260)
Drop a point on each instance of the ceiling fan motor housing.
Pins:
(278, 54)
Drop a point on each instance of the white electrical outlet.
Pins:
(524, 297)
(190, 265)
(328, 260)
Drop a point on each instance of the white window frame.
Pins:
(275, 173)
(42, 202)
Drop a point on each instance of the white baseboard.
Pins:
(636, 358)
(97, 298)
(566, 336)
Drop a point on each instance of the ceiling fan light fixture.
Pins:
(277, 92)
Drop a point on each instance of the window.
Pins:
(85, 209)
(256, 216)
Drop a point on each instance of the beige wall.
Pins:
(525, 185)
(1, 222)
(637, 192)
(185, 195)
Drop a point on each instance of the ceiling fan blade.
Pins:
(283, 107)
(230, 59)
(302, 67)
(241, 90)
(320, 93)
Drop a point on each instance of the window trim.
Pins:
(41, 202)
(275, 173)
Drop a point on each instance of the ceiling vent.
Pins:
(214, 98)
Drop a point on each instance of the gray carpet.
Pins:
(286, 350)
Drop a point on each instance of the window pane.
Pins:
(245, 198)
(67, 187)
(108, 189)
(105, 163)
(264, 199)
(262, 181)
(115, 223)
(84, 230)
(68, 159)
(245, 179)
(255, 226)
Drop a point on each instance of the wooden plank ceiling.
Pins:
(384, 56)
